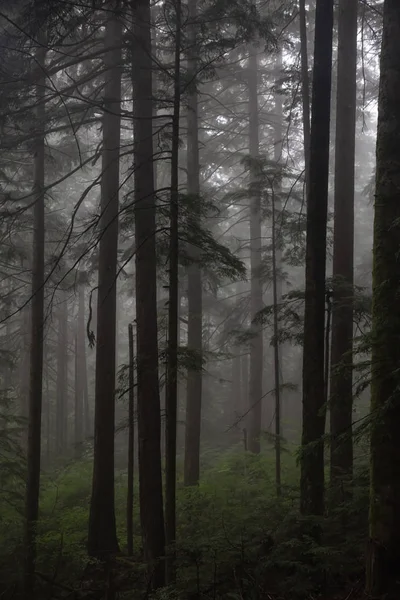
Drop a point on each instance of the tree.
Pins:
(78, 407)
(102, 539)
(37, 317)
(62, 376)
(341, 392)
(148, 396)
(276, 266)
(384, 548)
(194, 276)
(83, 376)
(312, 459)
(305, 89)
(171, 400)
(131, 442)
(256, 300)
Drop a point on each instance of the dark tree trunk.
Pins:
(37, 330)
(131, 443)
(237, 400)
(62, 378)
(195, 290)
(171, 400)
(148, 396)
(87, 422)
(78, 407)
(48, 405)
(24, 369)
(341, 393)
(312, 460)
(245, 381)
(256, 299)
(102, 539)
(277, 266)
(305, 90)
(384, 552)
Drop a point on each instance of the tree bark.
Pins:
(277, 267)
(195, 288)
(62, 377)
(148, 396)
(24, 369)
(312, 459)
(384, 525)
(87, 421)
(305, 90)
(245, 380)
(171, 400)
(256, 300)
(102, 538)
(341, 393)
(131, 443)
(48, 405)
(78, 406)
(37, 325)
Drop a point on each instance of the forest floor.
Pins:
(235, 539)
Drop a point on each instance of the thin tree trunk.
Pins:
(277, 267)
(131, 443)
(62, 378)
(312, 460)
(341, 398)
(148, 396)
(78, 421)
(195, 290)
(245, 380)
(256, 300)
(237, 399)
(384, 515)
(37, 323)
(305, 90)
(102, 538)
(277, 382)
(24, 369)
(82, 353)
(171, 400)
(48, 405)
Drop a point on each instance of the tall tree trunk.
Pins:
(245, 380)
(256, 300)
(102, 539)
(305, 90)
(148, 395)
(312, 460)
(341, 393)
(78, 407)
(87, 426)
(277, 266)
(131, 443)
(24, 369)
(37, 324)
(195, 289)
(48, 404)
(384, 552)
(62, 377)
(171, 400)
(237, 400)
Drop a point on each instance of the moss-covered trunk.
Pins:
(384, 551)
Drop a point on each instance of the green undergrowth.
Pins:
(235, 538)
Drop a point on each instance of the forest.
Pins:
(199, 299)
